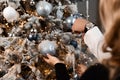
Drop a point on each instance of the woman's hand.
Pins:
(52, 60)
(80, 69)
(79, 25)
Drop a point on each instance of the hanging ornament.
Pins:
(71, 19)
(47, 47)
(14, 3)
(11, 34)
(33, 35)
(10, 14)
(32, 3)
(59, 11)
(43, 8)
(59, 14)
(74, 43)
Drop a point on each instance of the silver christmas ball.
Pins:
(33, 35)
(43, 8)
(10, 14)
(32, 2)
(47, 47)
(71, 19)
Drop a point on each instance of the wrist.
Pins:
(88, 26)
(56, 62)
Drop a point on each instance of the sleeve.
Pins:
(61, 72)
(96, 72)
(94, 40)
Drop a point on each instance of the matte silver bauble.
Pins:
(47, 47)
(43, 8)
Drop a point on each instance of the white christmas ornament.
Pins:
(47, 46)
(10, 14)
(44, 8)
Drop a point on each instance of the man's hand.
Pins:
(79, 25)
(80, 69)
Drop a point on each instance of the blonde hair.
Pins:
(110, 18)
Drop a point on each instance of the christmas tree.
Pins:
(31, 28)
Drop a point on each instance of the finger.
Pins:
(49, 56)
(46, 60)
(74, 27)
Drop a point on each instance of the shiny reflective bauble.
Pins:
(32, 3)
(10, 14)
(43, 8)
(78, 15)
(74, 43)
(33, 35)
(47, 47)
(70, 20)
(11, 34)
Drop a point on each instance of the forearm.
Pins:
(61, 72)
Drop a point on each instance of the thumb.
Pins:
(49, 56)
(46, 60)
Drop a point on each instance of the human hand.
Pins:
(52, 60)
(79, 25)
(80, 69)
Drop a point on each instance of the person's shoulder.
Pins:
(96, 72)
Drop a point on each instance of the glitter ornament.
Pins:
(43, 8)
(10, 14)
(47, 47)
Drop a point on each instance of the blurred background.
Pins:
(93, 10)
